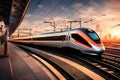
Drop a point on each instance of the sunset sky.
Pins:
(103, 13)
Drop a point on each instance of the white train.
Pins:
(83, 39)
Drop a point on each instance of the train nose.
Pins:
(97, 48)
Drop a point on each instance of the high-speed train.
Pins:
(83, 39)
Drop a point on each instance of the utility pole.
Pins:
(74, 21)
(70, 24)
(23, 29)
(30, 31)
(79, 23)
(18, 32)
(52, 24)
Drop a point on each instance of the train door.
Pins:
(67, 40)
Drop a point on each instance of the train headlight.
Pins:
(97, 48)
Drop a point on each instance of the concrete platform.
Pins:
(15, 67)
(5, 72)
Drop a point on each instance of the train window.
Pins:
(80, 39)
(26, 39)
(55, 38)
(94, 37)
(63, 37)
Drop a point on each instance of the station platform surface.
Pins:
(5, 73)
(14, 66)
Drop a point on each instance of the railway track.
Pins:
(112, 56)
(109, 63)
(110, 71)
(69, 69)
(111, 59)
(106, 67)
(115, 51)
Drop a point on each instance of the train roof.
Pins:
(56, 33)
(83, 29)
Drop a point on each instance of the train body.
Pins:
(83, 39)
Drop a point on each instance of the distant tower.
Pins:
(109, 36)
(98, 29)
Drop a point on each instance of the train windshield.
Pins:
(94, 37)
(92, 34)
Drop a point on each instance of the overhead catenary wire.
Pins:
(39, 16)
(49, 11)
(70, 2)
(33, 8)
(42, 17)
(36, 6)
(74, 11)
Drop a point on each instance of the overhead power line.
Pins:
(33, 8)
(42, 17)
(68, 4)
(64, 8)
(76, 10)
(118, 25)
(49, 11)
